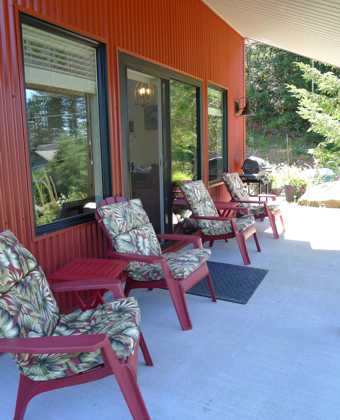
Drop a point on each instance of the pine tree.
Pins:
(320, 106)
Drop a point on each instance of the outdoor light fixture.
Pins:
(242, 108)
(144, 93)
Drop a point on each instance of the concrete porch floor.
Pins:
(276, 358)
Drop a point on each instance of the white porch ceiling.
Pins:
(306, 27)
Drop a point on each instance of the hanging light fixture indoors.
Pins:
(144, 93)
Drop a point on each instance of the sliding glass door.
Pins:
(145, 143)
(161, 131)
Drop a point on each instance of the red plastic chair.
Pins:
(25, 278)
(177, 286)
(260, 206)
(213, 218)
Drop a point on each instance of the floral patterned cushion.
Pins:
(132, 233)
(28, 309)
(181, 263)
(258, 209)
(216, 227)
(199, 199)
(238, 191)
(15, 261)
(27, 305)
(202, 204)
(119, 320)
(235, 186)
(130, 229)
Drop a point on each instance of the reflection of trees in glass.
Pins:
(60, 152)
(183, 112)
(50, 115)
(70, 168)
(215, 133)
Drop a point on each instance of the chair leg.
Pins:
(211, 288)
(127, 290)
(178, 299)
(283, 223)
(257, 243)
(25, 394)
(131, 392)
(211, 243)
(243, 248)
(145, 351)
(272, 222)
(127, 382)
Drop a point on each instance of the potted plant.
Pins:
(276, 183)
(294, 188)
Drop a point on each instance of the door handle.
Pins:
(131, 167)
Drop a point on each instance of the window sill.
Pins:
(44, 231)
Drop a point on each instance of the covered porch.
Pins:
(276, 357)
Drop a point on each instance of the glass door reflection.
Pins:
(145, 144)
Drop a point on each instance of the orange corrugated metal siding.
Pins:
(185, 35)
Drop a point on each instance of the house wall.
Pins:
(184, 35)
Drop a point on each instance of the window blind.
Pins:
(52, 61)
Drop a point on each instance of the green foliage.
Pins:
(63, 179)
(45, 196)
(178, 177)
(69, 168)
(58, 125)
(183, 129)
(269, 71)
(289, 175)
(49, 115)
(321, 108)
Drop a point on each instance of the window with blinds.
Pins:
(63, 124)
(216, 133)
(57, 62)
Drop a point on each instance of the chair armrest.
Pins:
(54, 344)
(135, 257)
(222, 206)
(250, 201)
(227, 205)
(220, 218)
(267, 196)
(194, 239)
(71, 285)
(150, 259)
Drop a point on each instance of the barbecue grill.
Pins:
(256, 171)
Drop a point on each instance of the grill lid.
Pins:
(254, 165)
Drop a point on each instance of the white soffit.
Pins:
(306, 27)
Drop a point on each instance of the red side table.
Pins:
(103, 274)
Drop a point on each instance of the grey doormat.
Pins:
(233, 283)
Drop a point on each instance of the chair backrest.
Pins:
(129, 228)
(111, 200)
(198, 198)
(27, 305)
(235, 186)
